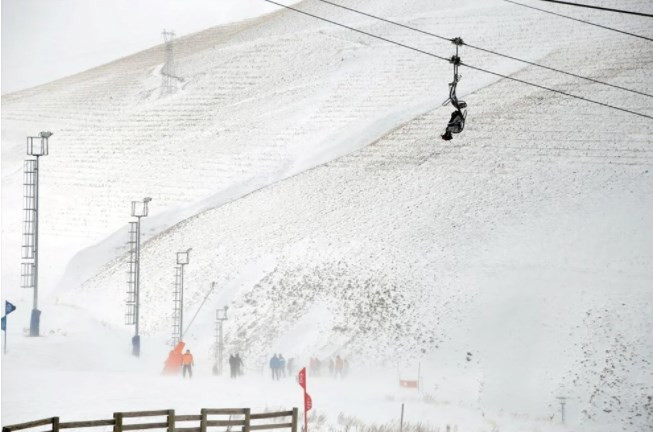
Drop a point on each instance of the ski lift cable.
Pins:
(580, 20)
(487, 50)
(461, 63)
(600, 8)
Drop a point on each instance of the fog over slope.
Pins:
(303, 165)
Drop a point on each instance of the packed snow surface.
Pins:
(301, 162)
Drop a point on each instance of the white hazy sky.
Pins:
(43, 40)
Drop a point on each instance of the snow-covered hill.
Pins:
(526, 241)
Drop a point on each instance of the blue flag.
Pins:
(9, 308)
(4, 323)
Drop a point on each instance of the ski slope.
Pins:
(302, 164)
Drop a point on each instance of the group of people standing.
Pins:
(236, 365)
(338, 367)
(279, 366)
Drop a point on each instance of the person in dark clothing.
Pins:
(456, 125)
(239, 365)
(340, 365)
(232, 366)
(282, 366)
(274, 367)
(291, 366)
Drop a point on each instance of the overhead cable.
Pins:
(599, 8)
(461, 63)
(486, 50)
(582, 21)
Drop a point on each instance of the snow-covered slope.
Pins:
(526, 241)
(260, 101)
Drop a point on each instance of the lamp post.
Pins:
(139, 211)
(183, 259)
(221, 317)
(36, 146)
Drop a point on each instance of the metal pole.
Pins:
(138, 273)
(401, 423)
(563, 401)
(199, 309)
(181, 303)
(139, 211)
(220, 347)
(219, 338)
(5, 346)
(35, 318)
(36, 237)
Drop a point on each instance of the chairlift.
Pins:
(457, 121)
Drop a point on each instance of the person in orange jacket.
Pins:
(188, 364)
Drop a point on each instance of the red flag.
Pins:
(409, 383)
(308, 402)
(302, 378)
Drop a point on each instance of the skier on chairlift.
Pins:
(457, 121)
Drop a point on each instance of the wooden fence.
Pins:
(230, 419)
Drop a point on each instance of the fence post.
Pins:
(295, 415)
(203, 420)
(171, 420)
(117, 422)
(55, 424)
(248, 414)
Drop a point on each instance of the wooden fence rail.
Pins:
(83, 424)
(28, 425)
(239, 420)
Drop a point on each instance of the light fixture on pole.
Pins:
(178, 313)
(139, 210)
(36, 146)
(220, 318)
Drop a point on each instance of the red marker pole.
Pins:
(308, 403)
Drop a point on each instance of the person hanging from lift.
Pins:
(457, 121)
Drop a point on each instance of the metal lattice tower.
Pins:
(132, 317)
(220, 318)
(29, 223)
(178, 298)
(37, 147)
(168, 73)
(176, 312)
